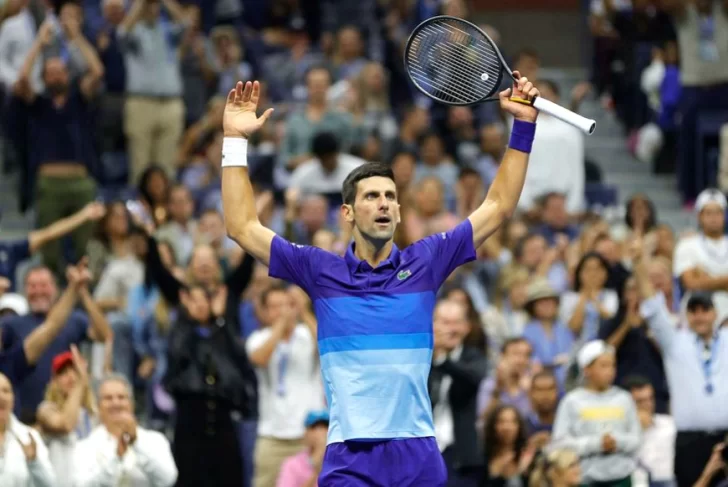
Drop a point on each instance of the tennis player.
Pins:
(374, 305)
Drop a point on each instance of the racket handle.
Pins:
(582, 123)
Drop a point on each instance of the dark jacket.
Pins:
(466, 373)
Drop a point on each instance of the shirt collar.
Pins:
(356, 265)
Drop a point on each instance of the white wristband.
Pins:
(234, 152)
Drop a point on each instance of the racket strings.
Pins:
(453, 62)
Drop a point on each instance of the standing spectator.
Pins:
(693, 358)
(701, 261)
(288, 383)
(544, 395)
(599, 421)
(550, 339)
(206, 376)
(702, 33)
(657, 453)
(197, 66)
(637, 352)
(154, 113)
(68, 412)
(181, 228)
(457, 370)
(315, 117)
(42, 293)
(13, 252)
(59, 135)
(303, 469)
(119, 450)
(25, 457)
(511, 382)
(17, 33)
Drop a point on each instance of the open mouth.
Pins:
(383, 220)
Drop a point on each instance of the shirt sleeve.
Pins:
(685, 258)
(256, 339)
(448, 250)
(297, 264)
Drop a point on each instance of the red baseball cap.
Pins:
(61, 360)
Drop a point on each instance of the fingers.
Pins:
(505, 94)
(247, 92)
(266, 115)
(255, 94)
(231, 96)
(239, 92)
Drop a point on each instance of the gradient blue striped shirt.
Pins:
(375, 329)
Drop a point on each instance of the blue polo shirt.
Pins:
(14, 364)
(13, 253)
(375, 329)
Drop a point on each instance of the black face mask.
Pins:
(58, 88)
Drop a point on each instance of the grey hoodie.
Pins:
(584, 417)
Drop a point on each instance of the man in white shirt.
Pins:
(701, 260)
(558, 150)
(119, 452)
(289, 384)
(657, 453)
(325, 173)
(17, 34)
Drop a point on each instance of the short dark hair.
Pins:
(365, 171)
(543, 374)
(513, 341)
(551, 84)
(545, 199)
(632, 382)
(324, 144)
(274, 288)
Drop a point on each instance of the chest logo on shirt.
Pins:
(402, 275)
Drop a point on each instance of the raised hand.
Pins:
(239, 118)
(30, 449)
(94, 211)
(518, 100)
(80, 364)
(4, 285)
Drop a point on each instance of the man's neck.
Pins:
(546, 417)
(598, 389)
(374, 253)
(714, 235)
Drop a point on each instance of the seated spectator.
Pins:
(544, 398)
(511, 382)
(111, 240)
(25, 456)
(532, 252)
(589, 303)
(154, 191)
(557, 468)
(555, 219)
(68, 412)
(348, 59)
(118, 448)
(303, 469)
(434, 162)
(326, 172)
(508, 456)
(492, 142)
(551, 340)
(304, 217)
(640, 218)
(429, 214)
(181, 228)
(657, 452)
(599, 421)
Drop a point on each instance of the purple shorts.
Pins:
(412, 462)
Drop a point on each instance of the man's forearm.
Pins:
(175, 11)
(238, 202)
(96, 68)
(39, 339)
(99, 325)
(38, 238)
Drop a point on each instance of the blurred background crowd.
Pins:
(140, 346)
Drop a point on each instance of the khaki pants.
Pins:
(270, 453)
(58, 198)
(153, 128)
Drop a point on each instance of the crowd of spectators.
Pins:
(140, 346)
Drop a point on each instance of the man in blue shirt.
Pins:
(374, 306)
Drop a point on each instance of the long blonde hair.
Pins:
(560, 459)
(55, 396)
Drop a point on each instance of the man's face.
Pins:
(518, 356)
(602, 371)
(40, 291)
(275, 305)
(701, 320)
(544, 394)
(212, 227)
(55, 76)
(114, 401)
(199, 305)
(375, 212)
(450, 319)
(644, 398)
(114, 11)
(152, 9)
(533, 251)
(318, 83)
(180, 205)
(712, 219)
(554, 212)
(314, 213)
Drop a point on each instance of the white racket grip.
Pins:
(582, 123)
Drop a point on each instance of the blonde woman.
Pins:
(507, 317)
(557, 468)
(68, 413)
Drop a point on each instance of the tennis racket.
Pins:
(454, 62)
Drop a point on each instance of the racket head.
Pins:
(454, 62)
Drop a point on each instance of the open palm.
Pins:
(239, 118)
